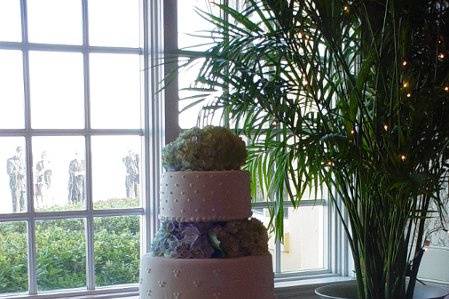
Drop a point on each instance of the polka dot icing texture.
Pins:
(205, 195)
(243, 277)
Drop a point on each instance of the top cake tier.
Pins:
(199, 196)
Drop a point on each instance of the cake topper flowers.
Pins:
(210, 148)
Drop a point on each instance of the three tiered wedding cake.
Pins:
(207, 245)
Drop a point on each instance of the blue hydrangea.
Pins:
(182, 240)
(209, 240)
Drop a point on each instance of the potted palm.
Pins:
(352, 95)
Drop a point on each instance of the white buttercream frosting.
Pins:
(194, 196)
(236, 278)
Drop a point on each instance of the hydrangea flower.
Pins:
(182, 240)
(242, 238)
(207, 240)
(210, 148)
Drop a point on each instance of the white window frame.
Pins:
(153, 136)
(160, 115)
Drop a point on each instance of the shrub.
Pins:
(13, 257)
(62, 254)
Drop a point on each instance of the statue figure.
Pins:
(77, 174)
(15, 167)
(131, 161)
(43, 174)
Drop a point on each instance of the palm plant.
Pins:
(353, 95)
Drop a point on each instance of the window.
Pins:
(81, 128)
(306, 247)
(78, 161)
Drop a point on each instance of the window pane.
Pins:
(114, 23)
(13, 257)
(188, 116)
(11, 89)
(10, 21)
(59, 173)
(116, 170)
(57, 92)
(116, 247)
(61, 254)
(115, 91)
(303, 247)
(55, 21)
(12, 175)
(194, 33)
(263, 215)
(191, 23)
(190, 108)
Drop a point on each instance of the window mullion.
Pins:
(31, 225)
(68, 48)
(53, 215)
(69, 132)
(154, 109)
(277, 252)
(89, 222)
(146, 222)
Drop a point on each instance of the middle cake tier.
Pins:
(199, 196)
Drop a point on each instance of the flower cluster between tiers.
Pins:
(210, 240)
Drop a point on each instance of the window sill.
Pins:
(302, 287)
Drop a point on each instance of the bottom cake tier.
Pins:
(232, 278)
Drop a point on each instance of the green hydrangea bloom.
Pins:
(210, 148)
(238, 238)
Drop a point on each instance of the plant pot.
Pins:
(348, 290)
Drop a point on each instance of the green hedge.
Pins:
(13, 260)
(61, 251)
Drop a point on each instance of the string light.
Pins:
(352, 132)
(408, 95)
(404, 63)
(386, 127)
(346, 9)
(405, 84)
(441, 56)
(446, 88)
(330, 163)
(403, 158)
